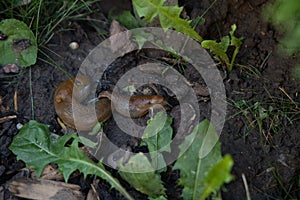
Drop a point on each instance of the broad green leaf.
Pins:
(217, 176)
(19, 46)
(147, 182)
(169, 16)
(157, 136)
(32, 145)
(193, 170)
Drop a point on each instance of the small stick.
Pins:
(16, 101)
(7, 118)
(246, 187)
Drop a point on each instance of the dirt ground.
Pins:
(269, 161)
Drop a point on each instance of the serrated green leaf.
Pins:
(32, 145)
(158, 135)
(216, 49)
(20, 46)
(217, 176)
(193, 170)
(169, 16)
(147, 182)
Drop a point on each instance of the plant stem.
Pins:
(31, 93)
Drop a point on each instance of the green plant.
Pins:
(200, 177)
(45, 17)
(35, 145)
(220, 48)
(37, 148)
(18, 44)
(267, 115)
(285, 16)
(169, 16)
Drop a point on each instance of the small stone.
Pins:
(11, 68)
(74, 45)
(19, 126)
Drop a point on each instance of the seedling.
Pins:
(219, 49)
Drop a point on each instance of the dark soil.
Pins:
(270, 161)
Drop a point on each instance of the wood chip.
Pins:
(50, 173)
(44, 189)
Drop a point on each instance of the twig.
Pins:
(16, 101)
(7, 118)
(246, 187)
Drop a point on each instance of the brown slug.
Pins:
(76, 112)
(138, 105)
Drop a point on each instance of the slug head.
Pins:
(81, 88)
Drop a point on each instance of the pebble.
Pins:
(74, 45)
(19, 126)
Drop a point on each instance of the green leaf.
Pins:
(193, 168)
(169, 16)
(217, 49)
(33, 145)
(225, 42)
(127, 20)
(87, 142)
(217, 176)
(158, 135)
(20, 45)
(158, 198)
(141, 38)
(146, 181)
(234, 41)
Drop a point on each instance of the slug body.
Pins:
(69, 105)
(134, 106)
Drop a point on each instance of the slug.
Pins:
(75, 110)
(83, 114)
(134, 106)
